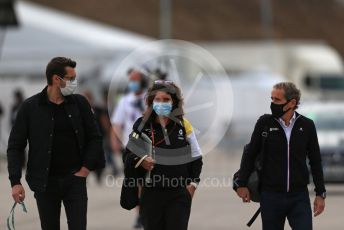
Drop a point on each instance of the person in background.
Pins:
(102, 116)
(129, 108)
(18, 100)
(1, 114)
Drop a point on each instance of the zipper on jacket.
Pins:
(288, 175)
(288, 152)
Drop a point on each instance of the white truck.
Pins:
(317, 70)
(316, 67)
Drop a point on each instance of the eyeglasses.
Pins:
(71, 79)
(160, 82)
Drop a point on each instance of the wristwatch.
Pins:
(323, 195)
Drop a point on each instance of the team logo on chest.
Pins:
(180, 134)
(274, 129)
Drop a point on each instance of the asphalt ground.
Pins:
(215, 205)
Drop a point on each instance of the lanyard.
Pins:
(10, 218)
(148, 176)
(159, 142)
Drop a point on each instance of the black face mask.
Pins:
(277, 109)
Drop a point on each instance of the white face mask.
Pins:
(69, 88)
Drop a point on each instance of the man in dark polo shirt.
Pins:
(64, 146)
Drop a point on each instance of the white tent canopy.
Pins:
(45, 33)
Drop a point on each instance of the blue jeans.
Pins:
(295, 206)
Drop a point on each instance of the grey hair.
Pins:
(290, 91)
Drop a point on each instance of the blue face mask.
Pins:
(134, 86)
(162, 108)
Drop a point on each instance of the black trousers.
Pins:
(71, 190)
(277, 207)
(165, 209)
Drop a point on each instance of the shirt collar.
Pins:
(133, 96)
(290, 123)
(45, 100)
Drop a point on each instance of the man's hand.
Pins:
(191, 190)
(319, 205)
(244, 194)
(148, 163)
(18, 193)
(83, 172)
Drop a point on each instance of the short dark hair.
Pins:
(57, 66)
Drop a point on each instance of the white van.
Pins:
(329, 120)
